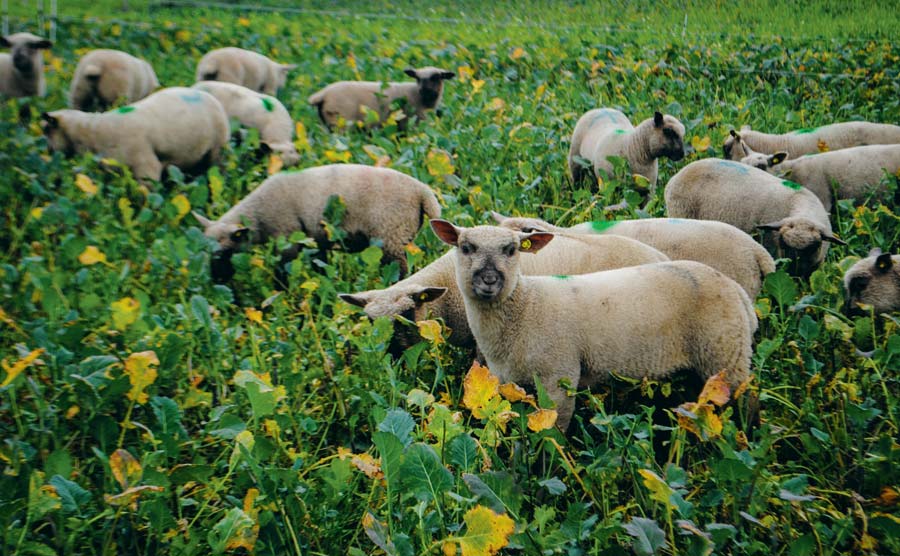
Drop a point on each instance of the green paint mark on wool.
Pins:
(125, 109)
(268, 104)
(805, 130)
(562, 276)
(600, 226)
(620, 132)
(792, 184)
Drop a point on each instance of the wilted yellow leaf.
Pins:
(125, 312)
(542, 419)
(477, 85)
(91, 255)
(823, 146)
(85, 184)
(706, 425)
(431, 331)
(486, 532)
(464, 73)
(368, 465)
(701, 145)
(243, 22)
(412, 249)
(715, 390)
(253, 315)
(182, 205)
(126, 470)
(335, 156)
(14, 370)
(275, 164)
(515, 393)
(517, 53)
(130, 496)
(659, 489)
(439, 163)
(448, 548)
(141, 373)
(479, 387)
(302, 141)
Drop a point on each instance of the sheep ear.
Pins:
(735, 134)
(831, 238)
(745, 127)
(771, 226)
(874, 252)
(288, 67)
(427, 295)
(264, 148)
(43, 43)
(204, 221)
(240, 234)
(4, 42)
(498, 218)
(358, 299)
(51, 120)
(447, 75)
(884, 262)
(411, 72)
(534, 242)
(657, 119)
(447, 232)
(777, 158)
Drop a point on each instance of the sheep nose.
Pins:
(490, 277)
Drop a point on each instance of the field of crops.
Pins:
(145, 409)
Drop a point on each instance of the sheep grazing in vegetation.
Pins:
(873, 281)
(22, 70)
(105, 76)
(243, 67)
(811, 140)
(178, 126)
(259, 111)
(853, 173)
(422, 295)
(721, 246)
(351, 100)
(380, 203)
(748, 198)
(605, 132)
(642, 321)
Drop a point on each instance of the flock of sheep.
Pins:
(535, 299)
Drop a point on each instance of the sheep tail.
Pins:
(430, 206)
(765, 262)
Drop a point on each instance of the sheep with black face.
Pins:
(22, 71)
(873, 281)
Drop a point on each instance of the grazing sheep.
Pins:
(642, 321)
(748, 198)
(422, 294)
(856, 172)
(243, 67)
(350, 99)
(22, 71)
(811, 140)
(605, 132)
(105, 76)
(721, 246)
(873, 281)
(256, 110)
(380, 204)
(179, 126)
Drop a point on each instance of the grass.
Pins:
(147, 410)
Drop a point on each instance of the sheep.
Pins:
(811, 140)
(748, 198)
(105, 76)
(423, 293)
(243, 67)
(22, 71)
(256, 110)
(857, 172)
(380, 204)
(351, 99)
(874, 281)
(179, 126)
(605, 132)
(721, 246)
(641, 321)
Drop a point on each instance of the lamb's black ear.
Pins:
(777, 158)
(411, 72)
(264, 149)
(52, 122)
(427, 294)
(884, 262)
(240, 234)
(771, 226)
(4, 42)
(734, 134)
(359, 300)
(43, 43)
(447, 75)
(657, 119)
(447, 232)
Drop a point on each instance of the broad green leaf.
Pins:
(781, 287)
(71, 495)
(400, 424)
(423, 474)
(391, 450)
(463, 452)
(648, 536)
(497, 489)
(231, 532)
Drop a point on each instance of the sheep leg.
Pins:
(565, 404)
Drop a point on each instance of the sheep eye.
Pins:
(467, 248)
(528, 229)
(858, 283)
(669, 133)
(510, 250)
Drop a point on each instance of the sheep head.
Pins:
(873, 281)
(431, 83)
(522, 223)
(667, 138)
(25, 49)
(800, 240)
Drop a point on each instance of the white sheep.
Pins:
(605, 132)
(421, 295)
(721, 246)
(243, 67)
(259, 111)
(179, 126)
(641, 321)
(855, 172)
(811, 140)
(381, 204)
(22, 71)
(350, 99)
(748, 198)
(873, 281)
(105, 76)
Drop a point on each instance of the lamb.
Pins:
(179, 126)
(105, 76)
(256, 110)
(811, 140)
(22, 71)
(423, 293)
(748, 198)
(642, 321)
(721, 246)
(605, 132)
(857, 172)
(380, 204)
(243, 67)
(873, 281)
(350, 99)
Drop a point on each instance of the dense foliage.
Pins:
(145, 409)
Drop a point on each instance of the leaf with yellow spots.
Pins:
(431, 331)
(141, 372)
(42, 499)
(439, 163)
(86, 184)
(479, 387)
(378, 155)
(253, 315)
(486, 532)
(701, 145)
(700, 419)
(517, 53)
(91, 256)
(14, 370)
(368, 465)
(715, 390)
(275, 164)
(542, 419)
(126, 470)
(125, 312)
(182, 206)
(659, 489)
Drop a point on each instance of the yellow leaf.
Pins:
(465, 73)
(182, 35)
(368, 465)
(448, 548)
(517, 53)
(243, 22)
(701, 145)
(85, 184)
(334, 156)
(495, 105)
(641, 183)
(139, 367)
(431, 331)
(706, 424)
(91, 256)
(659, 489)
(182, 205)
(72, 412)
(412, 249)
(302, 141)
(125, 312)
(245, 440)
(477, 85)
(479, 387)
(126, 470)
(514, 393)
(115, 30)
(823, 146)
(249, 499)
(216, 184)
(14, 370)
(130, 496)
(275, 164)
(253, 315)
(37, 212)
(486, 532)
(715, 390)
(439, 163)
(542, 419)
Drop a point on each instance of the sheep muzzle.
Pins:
(487, 283)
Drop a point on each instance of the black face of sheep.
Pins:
(431, 83)
(872, 283)
(23, 53)
(672, 142)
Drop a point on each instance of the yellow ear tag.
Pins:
(882, 265)
(423, 296)
(526, 244)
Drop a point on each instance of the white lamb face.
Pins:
(873, 281)
(521, 223)
(431, 83)
(487, 257)
(668, 137)
(287, 152)
(25, 49)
